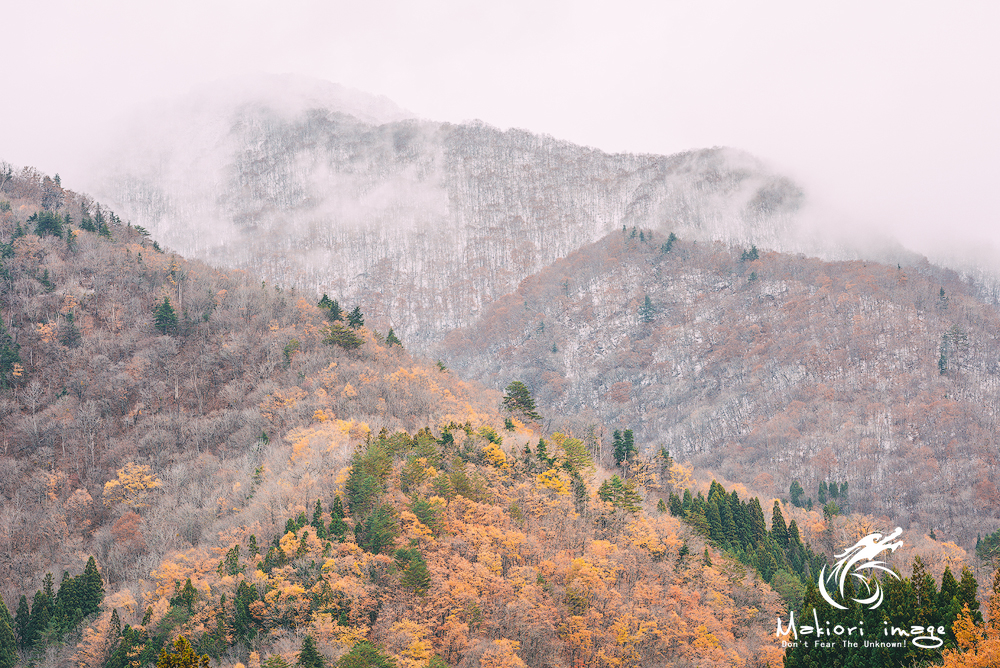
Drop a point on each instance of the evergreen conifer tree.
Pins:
(628, 443)
(338, 335)
(687, 505)
(542, 452)
(757, 525)
(355, 319)
(91, 590)
(793, 533)
(47, 223)
(728, 525)
(69, 335)
(621, 495)
(65, 603)
(164, 318)
(365, 655)
(647, 311)
(518, 399)
(778, 529)
(243, 620)
(22, 622)
(183, 656)
(338, 527)
(949, 588)
(676, 508)
(8, 642)
(618, 447)
(392, 340)
(714, 522)
(115, 629)
(41, 614)
(317, 520)
(332, 308)
(5, 615)
(10, 357)
(926, 595)
(795, 493)
(968, 594)
(416, 574)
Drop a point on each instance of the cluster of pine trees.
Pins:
(908, 602)
(51, 615)
(337, 334)
(831, 496)
(739, 528)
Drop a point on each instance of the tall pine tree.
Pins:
(164, 318)
(355, 318)
(8, 643)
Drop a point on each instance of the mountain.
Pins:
(491, 250)
(264, 484)
(424, 223)
(767, 367)
(254, 480)
(113, 351)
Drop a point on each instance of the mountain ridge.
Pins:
(765, 366)
(323, 200)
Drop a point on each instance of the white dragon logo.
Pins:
(858, 558)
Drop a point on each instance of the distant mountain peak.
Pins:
(291, 94)
(317, 186)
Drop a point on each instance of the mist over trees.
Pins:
(264, 477)
(137, 383)
(424, 222)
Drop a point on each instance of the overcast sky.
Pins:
(888, 112)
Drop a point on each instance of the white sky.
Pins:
(888, 112)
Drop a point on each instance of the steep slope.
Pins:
(766, 370)
(456, 551)
(196, 432)
(95, 373)
(443, 217)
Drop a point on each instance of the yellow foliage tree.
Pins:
(680, 476)
(503, 654)
(978, 644)
(552, 479)
(409, 644)
(131, 487)
(495, 456)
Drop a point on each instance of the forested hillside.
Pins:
(258, 475)
(425, 222)
(464, 550)
(766, 368)
(113, 352)
(221, 467)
